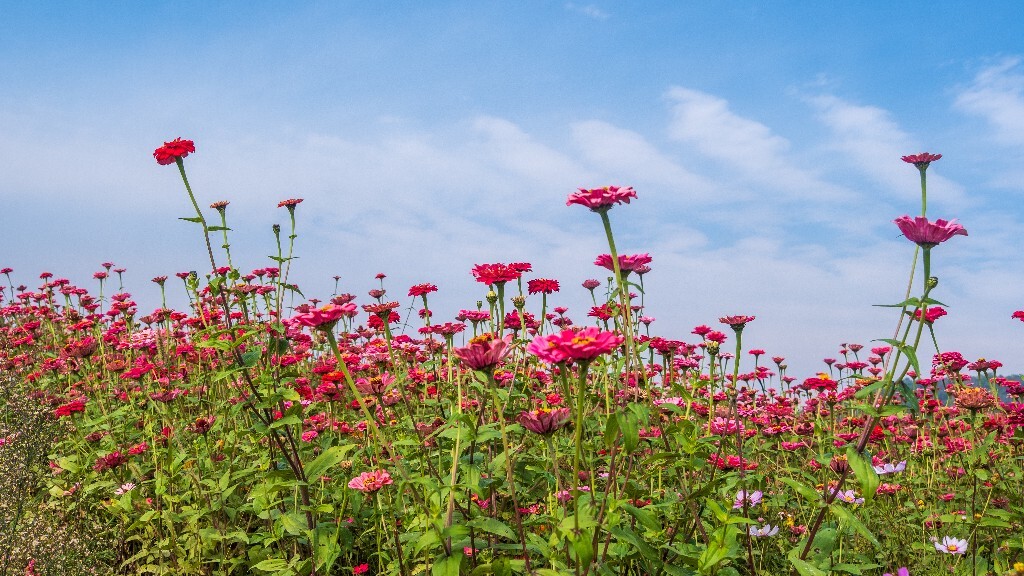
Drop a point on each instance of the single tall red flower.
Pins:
(921, 160)
(736, 322)
(627, 262)
(926, 233)
(171, 151)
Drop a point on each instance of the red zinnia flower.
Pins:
(931, 315)
(591, 284)
(1019, 315)
(495, 273)
(70, 408)
(544, 285)
(171, 151)
(928, 234)
(598, 199)
(921, 160)
(422, 289)
(289, 203)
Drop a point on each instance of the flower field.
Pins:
(250, 435)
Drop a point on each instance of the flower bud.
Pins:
(519, 302)
(492, 297)
(712, 348)
(932, 282)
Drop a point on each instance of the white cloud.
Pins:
(867, 139)
(746, 147)
(997, 95)
(588, 10)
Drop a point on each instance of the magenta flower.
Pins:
(928, 234)
(598, 199)
(736, 322)
(544, 420)
(1019, 315)
(370, 482)
(901, 572)
(484, 352)
(323, 316)
(921, 160)
(627, 262)
(495, 273)
(584, 345)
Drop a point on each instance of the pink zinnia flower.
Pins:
(1019, 315)
(933, 314)
(370, 482)
(544, 420)
(585, 345)
(484, 352)
(926, 233)
(495, 273)
(598, 199)
(736, 322)
(627, 262)
(322, 316)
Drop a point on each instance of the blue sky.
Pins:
(763, 140)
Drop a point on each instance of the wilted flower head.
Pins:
(926, 233)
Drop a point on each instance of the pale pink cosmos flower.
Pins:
(753, 498)
(951, 545)
(890, 468)
(370, 482)
(598, 199)
(763, 531)
(926, 233)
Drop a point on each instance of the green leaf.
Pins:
(804, 567)
(272, 565)
(583, 548)
(195, 219)
(644, 517)
(626, 535)
(218, 228)
(912, 301)
(493, 526)
(864, 472)
(448, 566)
(611, 430)
(848, 517)
(906, 349)
(290, 420)
(250, 357)
(809, 494)
(630, 430)
(294, 523)
(329, 457)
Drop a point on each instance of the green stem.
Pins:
(199, 213)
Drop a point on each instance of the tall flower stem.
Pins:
(627, 312)
(199, 213)
(581, 391)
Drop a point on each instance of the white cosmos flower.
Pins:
(766, 530)
(951, 545)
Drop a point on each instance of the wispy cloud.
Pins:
(588, 10)
(747, 147)
(997, 95)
